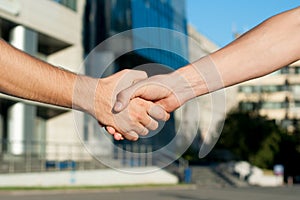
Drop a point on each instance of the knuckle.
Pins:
(144, 132)
(139, 103)
(134, 117)
(139, 117)
(131, 135)
(160, 115)
(126, 70)
(141, 74)
(153, 126)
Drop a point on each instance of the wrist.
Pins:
(183, 83)
(84, 92)
(196, 83)
(203, 76)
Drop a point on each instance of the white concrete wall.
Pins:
(53, 19)
(266, 181)
(106, 177)
(49, 17)
(62, 138)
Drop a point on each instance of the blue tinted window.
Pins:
(164, 14)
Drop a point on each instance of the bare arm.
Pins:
(264, 49)
(271, 45)
(24, 76)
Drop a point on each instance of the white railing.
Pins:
(37, 156)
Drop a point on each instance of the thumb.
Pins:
(122, 100)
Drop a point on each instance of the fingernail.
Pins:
(118, 106)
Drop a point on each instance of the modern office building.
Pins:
(107, 18)
(275, 96)
(52, 31)
(65, 33)
(136, 43)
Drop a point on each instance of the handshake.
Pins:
(133, 104)
(129, 104)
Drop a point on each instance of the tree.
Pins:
(251, 137)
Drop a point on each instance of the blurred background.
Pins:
(39, 144)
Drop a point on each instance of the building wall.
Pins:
(122, 15)
(59, 28)
(275, 96)
(199, 45)
(48, 17)
(62, 129)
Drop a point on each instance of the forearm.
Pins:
(264, 49)
(29, 78)
(268, 47)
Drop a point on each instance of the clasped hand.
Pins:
(137, 102)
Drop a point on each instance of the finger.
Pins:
(144, 132)
(145, 118)
(123, 99)
(118, 136)
(137, 74)
(140, 120)
(140, 129)
(134, 76)
(152, 124)
(157, 112)
(169, 104)
(131, 135)
(110, 130)
(124, 96)
(138, 80)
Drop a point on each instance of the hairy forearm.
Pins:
(264, 49)
(29, 78)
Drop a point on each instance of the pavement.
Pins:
(190, 192)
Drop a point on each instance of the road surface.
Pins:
(159, 193)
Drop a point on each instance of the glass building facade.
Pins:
(168, 14)
(106, 18)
